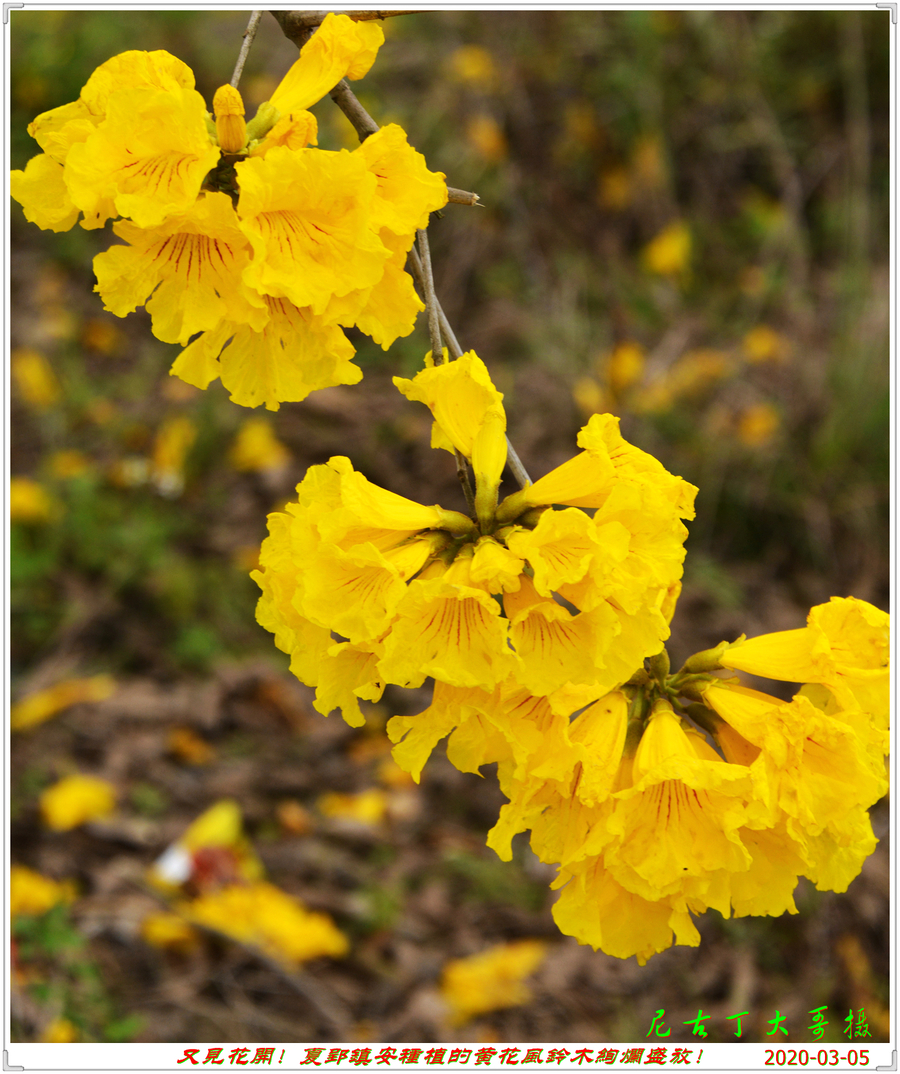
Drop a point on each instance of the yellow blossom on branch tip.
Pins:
(406, 191)
(41, 191)
(844, 647)
(293, 355)
(340, 48)
(146, 161)
(306, 214)
(75, 800)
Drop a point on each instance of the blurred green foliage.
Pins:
(63, 977)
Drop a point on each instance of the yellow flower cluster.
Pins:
(542, 620)
(653, 816)
(521, 607)
(241, 232)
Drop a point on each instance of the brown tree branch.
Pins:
(364, 125)
(295, 23)
(437, 349)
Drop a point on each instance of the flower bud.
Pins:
(267, 115)
(708, 660)
(659, 666)
(230, 126)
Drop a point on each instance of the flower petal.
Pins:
(340, 47)
(306, 213)
(187, 270)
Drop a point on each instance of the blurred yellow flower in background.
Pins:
(32, 893)
(60, 1031)
(491, 980)
(189, 747)
(696, 370)
(174, 440)
(764, 344)
(35, 379)
(29, 501)
(669, 253)
(170, 931)
(690, 375)
(474, 65)
(625, 365)
(75, 800)
(767, 215)
(67, 464)
(367, 807)
(487, 138)
(647, 163)
(256, 447)
(392, 775)
(130, 471)
(580, 133)
(758, 425)
(614, 188)
(43, 704)
(101, 411)
(103, 335)
(590, 398)
(266, 917)
(294, 818)
(212, 851)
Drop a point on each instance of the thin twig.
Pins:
(515, 466)
(462, 197)
(455, 351)
(437, 349)
(249, 34)
(346, 100)
(431, 303)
